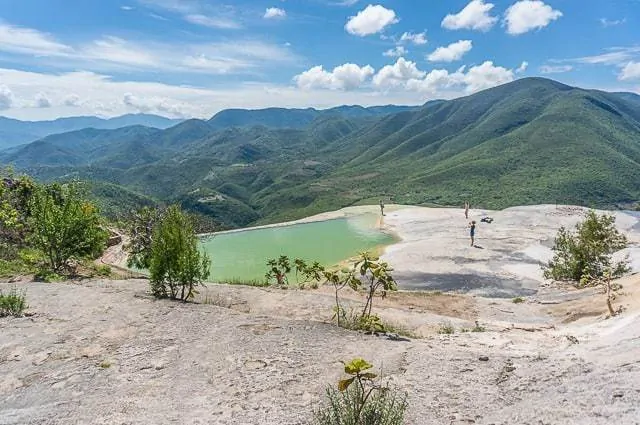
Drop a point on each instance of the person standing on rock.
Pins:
(472, 232)
(381, 207)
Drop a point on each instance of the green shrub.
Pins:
(12, 303)
(478, 328)
(64, 225)
(103, 270)
(446, 329)
(359, 400)
(518, 300)
(176, 264)
(587, 251)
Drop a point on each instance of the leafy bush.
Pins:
(176, 265)
(518, 300)
(587, 251)
(13, 303)
(64, 225)
(359, 400)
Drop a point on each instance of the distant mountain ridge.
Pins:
(527, 142)
(15, 132)
(296, 118)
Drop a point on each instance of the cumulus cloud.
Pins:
(396, 52)
(73, 100)
(452, 52)
(42, 101)
(528, 15)
(154, 104)
(397, 74)
(406, 75)
(630, 71)
(523, 67)
(475, 16)
(344, 77)
(555, 69)
(418, 39)
(274, 13)
(6, 97)
(373, 19)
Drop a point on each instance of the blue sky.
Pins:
(195, 57)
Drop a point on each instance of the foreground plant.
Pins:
(278, 270)
(176, 265)
(361, 400)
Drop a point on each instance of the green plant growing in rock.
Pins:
(377, 276)
(278, 270)
(518, 300)
(65, 226)
(176, 265)
(446, 328)
(12, 303)
(361, 400)
(340, 280)
(587, 251)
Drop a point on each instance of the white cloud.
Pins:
(212, 22)
(127, 8)
(396, 52)
(398, 74)
(606, 23)
(6, 97)
(555, 69)
(528, 15)
(197, 12)
(485, 76)
(440, 81)
(109, 53)
(630, 71)
(154, 104)
(22, 40)
(475, 16)
(371, 20)
(42, 101)
(418, 39)
(344, 77)
(614, 56)
(452, 52)
(275, 13)
(73, 100)
(523, 67)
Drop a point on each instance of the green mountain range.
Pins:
(530, 141)
(15, 132)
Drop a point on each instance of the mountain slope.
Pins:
(16, 132)
(529, 141)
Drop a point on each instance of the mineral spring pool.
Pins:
(243, 255)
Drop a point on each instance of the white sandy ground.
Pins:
(263, 356)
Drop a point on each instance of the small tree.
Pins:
(587, 251)
(176, 265)
(139, 228)
(278, 270)
(15, 196)
(377, 274)
(64, 225)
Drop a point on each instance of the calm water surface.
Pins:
(243, 255)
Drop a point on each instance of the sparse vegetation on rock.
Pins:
(12, 303)
(361, 400)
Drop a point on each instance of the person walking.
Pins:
(472, 232)
(381, 207)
